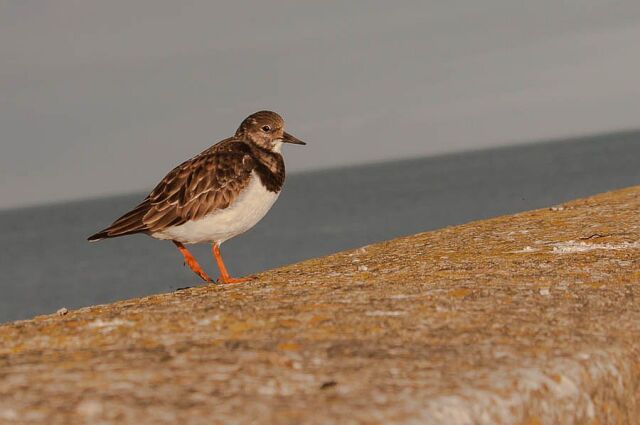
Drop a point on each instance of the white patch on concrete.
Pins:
(386, 313)
(208, 320)
(402, 297)
(253, 203)
(8, 414)
(90, 408)
(525, 250)
(573, 247)
(108, 324)
(361, 250)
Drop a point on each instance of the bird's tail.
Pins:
(130, 223)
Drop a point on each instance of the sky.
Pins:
(105, 97)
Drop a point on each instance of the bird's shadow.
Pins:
(183, 288)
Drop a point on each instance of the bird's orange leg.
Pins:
(224, 274)
(192, 263)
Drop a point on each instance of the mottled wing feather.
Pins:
(128, 224)
(208, 182)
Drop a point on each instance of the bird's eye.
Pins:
(266, 128)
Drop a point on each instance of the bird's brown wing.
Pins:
(207, 182)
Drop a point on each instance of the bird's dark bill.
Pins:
(288, 138)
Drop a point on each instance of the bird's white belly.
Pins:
(248, 208)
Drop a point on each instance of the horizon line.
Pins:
(500, 147)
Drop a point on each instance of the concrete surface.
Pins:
(525, 319)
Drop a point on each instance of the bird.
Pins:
(216, 195)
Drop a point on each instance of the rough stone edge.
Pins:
(596, 387)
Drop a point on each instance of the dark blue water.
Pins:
(46, 263)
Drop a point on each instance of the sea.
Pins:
(46, 262)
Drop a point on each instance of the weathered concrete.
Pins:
(525, 319)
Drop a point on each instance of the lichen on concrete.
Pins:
(524, 319)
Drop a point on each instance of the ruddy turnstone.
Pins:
(216, 195)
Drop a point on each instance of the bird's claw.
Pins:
(230, 280)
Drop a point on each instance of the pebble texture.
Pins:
(526, 319)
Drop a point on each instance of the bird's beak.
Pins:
(288, 138)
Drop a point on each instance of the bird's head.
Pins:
(266, 129)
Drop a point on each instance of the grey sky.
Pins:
(104, 97)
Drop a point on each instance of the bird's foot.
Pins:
(204, 277)
(226, 280)
(197, 270)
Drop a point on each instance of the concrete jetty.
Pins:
(528, 319)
